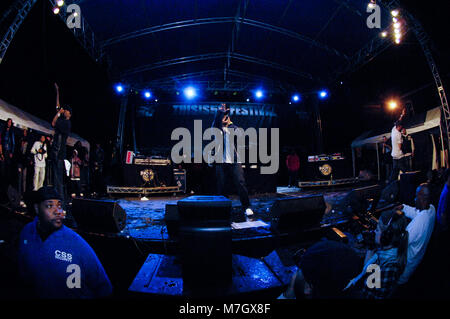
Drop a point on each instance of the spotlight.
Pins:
(384, 34)
(323, 94)
(394, 13)
(295, 98)
(392, 104)
(156, 100)
(397, 25)
(397, 41)
(147, 94)
(55, 10)
(60, 3)
(372, 4)
(248, 100)
(119, 88)
(190, 92)
(259, 94)
(395, 19)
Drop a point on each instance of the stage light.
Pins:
(55, 10)
(248, 100)
(397, 41)
(372, 5)
(295, 98)
(156, 100)
(397, 25)
(384, 34)
(60, 3)
(147, 94)
(395, 19)
(259, 94)
(119, 88)
(190, 92)
(323, 94)
(394, 13)
(392, 104)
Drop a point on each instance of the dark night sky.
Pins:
(43, 52)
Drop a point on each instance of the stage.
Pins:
(145, 220)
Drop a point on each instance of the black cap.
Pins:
(329, 266)
(68, 108)
(46, 193)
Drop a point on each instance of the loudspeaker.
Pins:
(297, 213)
(389, 194)
(99, 215)
(172, 219)
(357, 201)
(205, 240)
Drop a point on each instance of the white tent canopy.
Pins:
(432, 119)
(23, 120)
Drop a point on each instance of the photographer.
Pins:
(61, 123)
(39, 150)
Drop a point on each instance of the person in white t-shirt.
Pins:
(398, 163)
(420, 229)
(39, 150)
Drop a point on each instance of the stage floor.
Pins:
(145, 219)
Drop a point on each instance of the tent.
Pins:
(419, 123)
(23, 120)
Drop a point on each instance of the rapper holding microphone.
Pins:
(61, 123)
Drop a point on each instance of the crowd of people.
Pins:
(404, 237)
(30, 159)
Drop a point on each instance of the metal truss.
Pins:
(175, 82)
(221, 20)
(425, 42)
(84, 35)
(212, 56)
(23, 7)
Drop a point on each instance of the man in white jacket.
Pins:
(39, 150)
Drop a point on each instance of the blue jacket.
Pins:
(47, 265)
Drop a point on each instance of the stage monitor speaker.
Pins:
(409, 182)
(205, 240)
(172, 219)
(357, 201)
(103, 216)
(298, 213)
(389, 194)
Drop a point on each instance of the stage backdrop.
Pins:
(155, 123)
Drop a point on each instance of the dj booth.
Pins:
(326, 170)
(146, 175)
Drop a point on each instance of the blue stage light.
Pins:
(147, 94)
(190, 92)
(296, 98)
(323, 94)
(259, 94)
(119, 88)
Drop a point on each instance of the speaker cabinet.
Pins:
(104, 216)
(205, 240)
(297, 213)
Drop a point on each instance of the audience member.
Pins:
(293, 165)
(39, 150)
(324, 271)
(7, 146)
(23, 161)
(391, 237)
(75, 173)
(444, 206)
(54, 261)
(420, 229)
(407, 149)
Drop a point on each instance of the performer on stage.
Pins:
(62, 127)
(230, 165)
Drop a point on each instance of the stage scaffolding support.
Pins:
(84, 35)
(378, 45)
(121, 124)
(23, 7)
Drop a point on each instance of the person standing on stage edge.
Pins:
(230, 165)
(61, 123)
